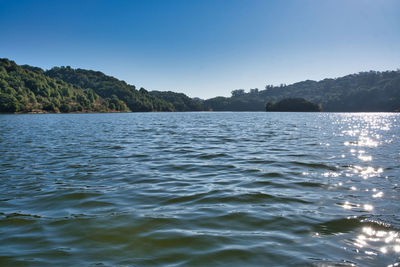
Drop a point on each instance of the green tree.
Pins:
(8, 103)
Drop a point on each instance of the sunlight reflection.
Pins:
(378, 240)
(367, 172)
(365, 158)
(330, 174)
(363, 141)
(367, 142)
(368, 207)
(379, 194)
(347, 205)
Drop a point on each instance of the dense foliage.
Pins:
(111, 88)
(293, 104)
(27, 89)
(64, 89)
(180, 101)
(245, 102)
(365, 91)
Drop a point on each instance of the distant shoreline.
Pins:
(232, 111)
(28, 89)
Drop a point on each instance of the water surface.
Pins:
(200, 189)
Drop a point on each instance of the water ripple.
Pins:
(200, 189)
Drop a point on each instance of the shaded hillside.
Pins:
(293, 105)
(110, 87)
(365, 91)
(180, 101)
(27, 89)
(245, 102)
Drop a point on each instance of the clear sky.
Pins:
(204, 48)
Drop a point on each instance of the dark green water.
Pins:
(200, 189)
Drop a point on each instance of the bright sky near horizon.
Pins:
(204, 48)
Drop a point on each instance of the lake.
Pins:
(200, 189)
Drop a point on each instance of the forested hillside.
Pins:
(64, 89)
(27, 89)
(180, 101)
(110, 87)
(365, 91)
(293, 105)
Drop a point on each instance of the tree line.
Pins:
(365, 91)
(64, 89)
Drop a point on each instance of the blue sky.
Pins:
(204, 48)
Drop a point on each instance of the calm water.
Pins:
(200, 189)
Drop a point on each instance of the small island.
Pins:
(293, 105)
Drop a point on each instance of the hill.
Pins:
(64, 89)
(180, 101)
(110, 87)
(136, 100)
(28, 89)
(365, 91)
